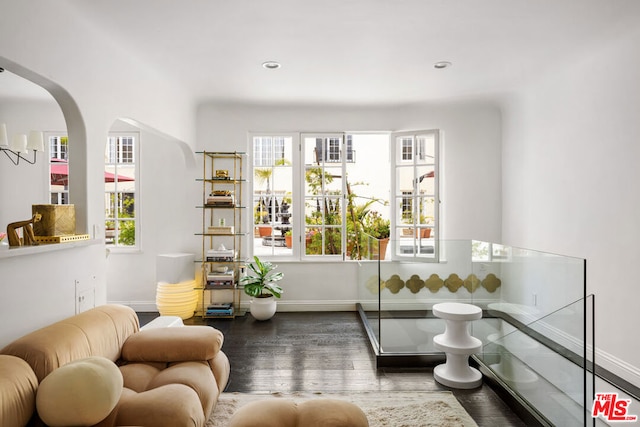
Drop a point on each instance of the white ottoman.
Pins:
(458, 345)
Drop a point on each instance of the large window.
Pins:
(120, 190)
(313, 199)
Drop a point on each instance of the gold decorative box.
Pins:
(57, 220)
(222, 174)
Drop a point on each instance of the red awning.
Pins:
(60, 174)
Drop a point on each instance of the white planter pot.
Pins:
(263, 308)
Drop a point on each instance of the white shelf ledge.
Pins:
(45, 248)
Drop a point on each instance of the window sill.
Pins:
(45, 248)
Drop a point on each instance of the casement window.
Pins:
(330, 151)
(267, 151)
(273, 194)
(324, 195)
(311, 187)
(120, 181)
(58, 169)
(416, 176)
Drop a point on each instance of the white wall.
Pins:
(95, 82)
(471, 191)
(167, 201)
(571, 146)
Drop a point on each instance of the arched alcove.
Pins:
(34, 85)
(164, 193)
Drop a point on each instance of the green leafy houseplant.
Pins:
(261, 281)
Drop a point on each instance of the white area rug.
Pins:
(385, 408)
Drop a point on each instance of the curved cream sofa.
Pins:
(172, 376)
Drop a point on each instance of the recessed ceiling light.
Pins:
(271, 65)
(442, 65)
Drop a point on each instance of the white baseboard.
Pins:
(312, 305)
(283, 306)
(618, 367)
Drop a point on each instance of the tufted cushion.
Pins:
(100, 331)
(80, 393)
(18, 384)
(162, 394)
(173, 344)
(311, 413)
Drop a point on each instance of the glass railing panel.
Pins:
(546, 365)
(537, 321)
(367, 254)
(411, 285)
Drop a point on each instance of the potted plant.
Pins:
(376, 226)
(260, 284)
(288, 240)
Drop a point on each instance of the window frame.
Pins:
(324, 160)
(119, 152)
(418, 157)
(347, 155)
(61, 154)
(294, 208)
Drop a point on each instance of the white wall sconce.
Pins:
(20, 145)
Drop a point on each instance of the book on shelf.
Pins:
(220, 201)
(221, 255)
(221, 309)
(212, 229)
(225, 305)
(221, 279)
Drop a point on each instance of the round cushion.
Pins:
(310, 413)
(80, 393)
(330, 413)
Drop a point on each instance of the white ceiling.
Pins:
(357, 51)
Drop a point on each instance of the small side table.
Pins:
(458, 345)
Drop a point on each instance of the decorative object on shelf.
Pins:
(3, 242)
(62, 239)
(222, 174)
(220, 230)
(221, 254)
(262, 286)
(220, 200)
(56, 220)
(21, 144)
(28, 238)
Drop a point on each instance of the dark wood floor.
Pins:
(328, 352)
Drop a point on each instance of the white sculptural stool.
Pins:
(458, 345)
